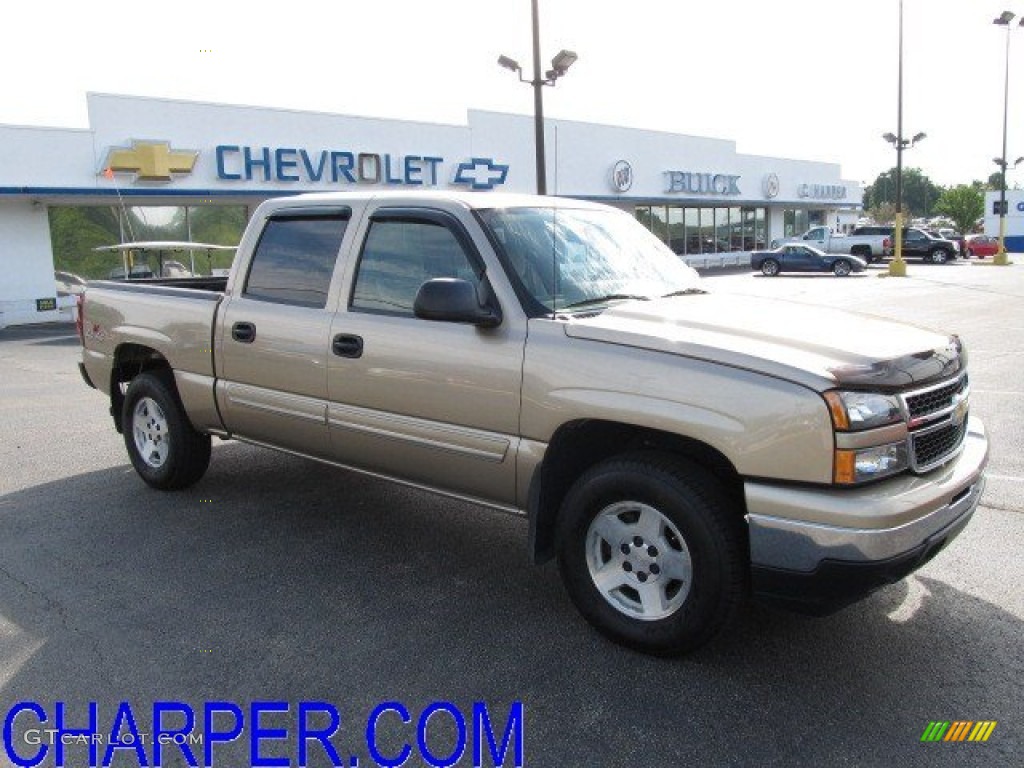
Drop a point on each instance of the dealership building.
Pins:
(710, 203)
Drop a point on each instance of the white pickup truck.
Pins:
(871, 248)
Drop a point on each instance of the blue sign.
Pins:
(293, 164)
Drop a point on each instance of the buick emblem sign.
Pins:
(770, 185)
(622, 176)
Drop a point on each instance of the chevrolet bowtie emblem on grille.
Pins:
(960, 408)
(151, 160)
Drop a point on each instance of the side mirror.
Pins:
(452, 300)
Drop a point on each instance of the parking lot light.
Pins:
(559, 66)
(898, 267)
(1004, 20)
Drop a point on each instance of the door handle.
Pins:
(347, 345)
(244, 332)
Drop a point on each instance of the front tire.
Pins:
(650, 555)
(770, 268)
(163, 446)
(939, 256)
(842, 268)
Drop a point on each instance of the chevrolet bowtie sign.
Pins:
(151, 160)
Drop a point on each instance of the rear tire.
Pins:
(770, 268)
(650, 555)
(163, 446)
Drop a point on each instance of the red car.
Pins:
(981, 245)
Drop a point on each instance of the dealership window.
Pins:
(705, 229)
(76, 231)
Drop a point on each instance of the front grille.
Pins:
(937, 418)
(927, 402)
(931, 447)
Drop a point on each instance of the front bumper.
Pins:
(816, 551)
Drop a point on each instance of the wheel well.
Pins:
(129, 361)
(579, 445)
(861, 250)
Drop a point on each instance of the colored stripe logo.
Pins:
(958, 730)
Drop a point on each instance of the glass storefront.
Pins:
(76, 232)
(690, 230)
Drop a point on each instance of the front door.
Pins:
(436, 403)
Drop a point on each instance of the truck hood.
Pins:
(821, 348)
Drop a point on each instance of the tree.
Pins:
(883, 213)
(919, 193)
(963, 204)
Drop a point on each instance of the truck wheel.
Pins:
(164, 448)
(770, 268)
(939, 256)
(841, 268)
(648, 554)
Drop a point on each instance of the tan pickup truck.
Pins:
(677, 450)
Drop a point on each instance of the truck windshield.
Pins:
(569, 258)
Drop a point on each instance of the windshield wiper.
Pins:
(606, 298)
(685, 292)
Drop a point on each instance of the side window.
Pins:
(294, 259)
(398, 257)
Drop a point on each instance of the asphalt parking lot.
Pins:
(280, 580)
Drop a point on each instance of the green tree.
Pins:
(963, 204)
(919, 192)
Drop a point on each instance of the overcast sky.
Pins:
(807, 79)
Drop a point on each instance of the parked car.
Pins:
(981, 245)
(869, 247)
(675, 449)
(920, 244)
(790, 257)
(873, 229)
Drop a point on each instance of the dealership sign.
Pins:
(718, 184)
(157, 161)
(292, 164)
(822, 191)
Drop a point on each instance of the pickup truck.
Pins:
(921, 244)
(676, 450)
(871, 248)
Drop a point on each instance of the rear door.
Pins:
(431, 402)
(275, 329)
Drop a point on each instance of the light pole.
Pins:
(898, 267)
(1003, 20)
(559, 66)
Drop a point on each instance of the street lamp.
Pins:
(898, 267)
(1003, 20)
(559, 66)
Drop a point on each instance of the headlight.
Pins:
(856, 411)
(852, 467)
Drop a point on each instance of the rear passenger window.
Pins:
(295, 257)
(399, 256)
